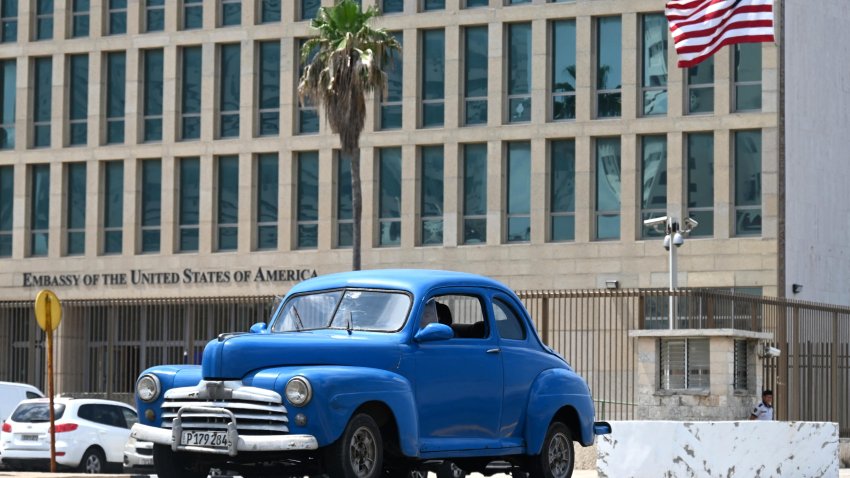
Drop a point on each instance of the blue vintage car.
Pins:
(373, 373)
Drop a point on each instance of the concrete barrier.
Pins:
(651, 449)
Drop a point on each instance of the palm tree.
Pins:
(344, 63)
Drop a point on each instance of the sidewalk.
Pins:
(844, 473)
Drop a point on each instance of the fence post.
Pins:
(795, 328)
(544, 317)
(709, 311)
(781, 371)
(833, 365)
(641, 312)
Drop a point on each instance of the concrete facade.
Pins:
(720, 261)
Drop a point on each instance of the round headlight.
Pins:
(148, 388)
(298, 391)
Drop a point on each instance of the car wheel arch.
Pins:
(101, 453)
(392, 429)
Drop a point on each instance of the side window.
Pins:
(429, 314)
(464, 314)
(33, 395)
(113, 416)
(509, 325)
(86, 412)
(130, 417)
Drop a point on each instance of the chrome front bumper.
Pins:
(236, 443)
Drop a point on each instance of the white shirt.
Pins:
(763, 412)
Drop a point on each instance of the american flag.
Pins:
(701, 27)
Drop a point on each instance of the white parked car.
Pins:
(90, 434)
(137, 455)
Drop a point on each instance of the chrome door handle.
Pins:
(493, 351)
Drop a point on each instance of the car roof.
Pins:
(24, 386)
(416, 281)
(76, 401)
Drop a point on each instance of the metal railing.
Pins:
(113, 340)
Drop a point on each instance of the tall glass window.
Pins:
(432, 195)
(43, 19)
(80, 18)
(113, 207)
(7, 194)
(748, 183)
(748, 77)
(701, 182)
(116, 79)
(75, 208)
(8, 70)
(190, 98)
(563, 69)
(654, 65)
(519, 72)
(608, 188)
(608, 67)
(308, 114)
(653, 168)
(562, 157)
(229, 93)
(392, 6)
(390, 197)
(193, 14)
(269, 11)
(230, 12)
(519, 192)
(189, 204)
(474, 193)
(42, 97)
(267, 189)
(700, 88)
(344, 209)
(433, 5)
(8, 21)
(310, 8)
(117, 17)
(268, 89)
(308, 200)
(228, 203)
(477, 3)
(433, 77)
(154, 15)
(39, 209)
(78, 102)
(152, 94)
(475, 75)
(391, 104)
(151, 204)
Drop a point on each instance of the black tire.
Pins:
(169, 464)
(450, 470)
(93, 462)
(557, 457)
(359, 452)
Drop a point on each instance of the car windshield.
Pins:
(37, 412)
(370, 310)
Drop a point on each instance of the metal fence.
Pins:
(105, 344)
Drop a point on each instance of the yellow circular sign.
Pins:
(48, 311)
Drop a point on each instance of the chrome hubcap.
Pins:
(560, 458)
(93, 464)
(363, 452)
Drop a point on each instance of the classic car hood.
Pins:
(234, 356)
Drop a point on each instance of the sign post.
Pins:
(48, 314)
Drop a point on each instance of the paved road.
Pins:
(845, 473)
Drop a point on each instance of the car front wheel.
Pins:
(169, 464)
(557, 457)
(359, 452)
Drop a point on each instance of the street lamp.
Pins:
(674, 236)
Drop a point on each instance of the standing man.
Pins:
(764, 410)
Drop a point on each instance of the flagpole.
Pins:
(780, 233)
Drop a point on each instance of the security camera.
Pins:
(678, 239)
(690, 224)
(667, 242)
(771, 351)
(655, 222)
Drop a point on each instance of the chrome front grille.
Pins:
(257, 411)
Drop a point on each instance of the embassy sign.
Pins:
(186, 276)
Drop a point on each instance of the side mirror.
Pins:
(433, 333)
(258, 328)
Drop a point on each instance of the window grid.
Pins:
(563, 197)
(309, 9)
(474, 194)
(392, 6)
(151, 205)
(117, 14)
(654, 65)
(154, 15)
(270, 11)
(389, 200)
(193, 14)
(42, 95)
(267, 201)
(684, 364)
(747, 71)
(230, 12)
(308, 200)
(113, 207)
(39, 209)
(430, 5)
(392, 103)
(653, 168)
(608, 67)
(607, 189)
(308, 113)
(700, 194)
(268, 89)
(78, 99)
(8, 21)
(748, 189)
(431, 207)
(152, 111)
(741, 363)
(116, 73)
(518, 187)
(189, 198)
(699, 98)
(190, 94)
(229, 60)
(475, 75)
(433, 78)
(7, 190)
(563, 45)
(344, 210)
(227, 222)
(43, 19)
(519, 72)
(8, 72)
(75, 209)
(80, 18)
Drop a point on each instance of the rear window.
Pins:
(37, 412)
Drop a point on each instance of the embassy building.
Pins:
(156, 162)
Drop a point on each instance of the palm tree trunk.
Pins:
(357, 209)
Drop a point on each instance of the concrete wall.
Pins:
(719, 449)
(817, 116)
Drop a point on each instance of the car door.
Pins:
(458, 382)
(116, 431)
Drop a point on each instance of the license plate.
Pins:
(211, 439)
(29, 437)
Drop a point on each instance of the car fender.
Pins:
(339, 391)
(170, 376)
(551, 391)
